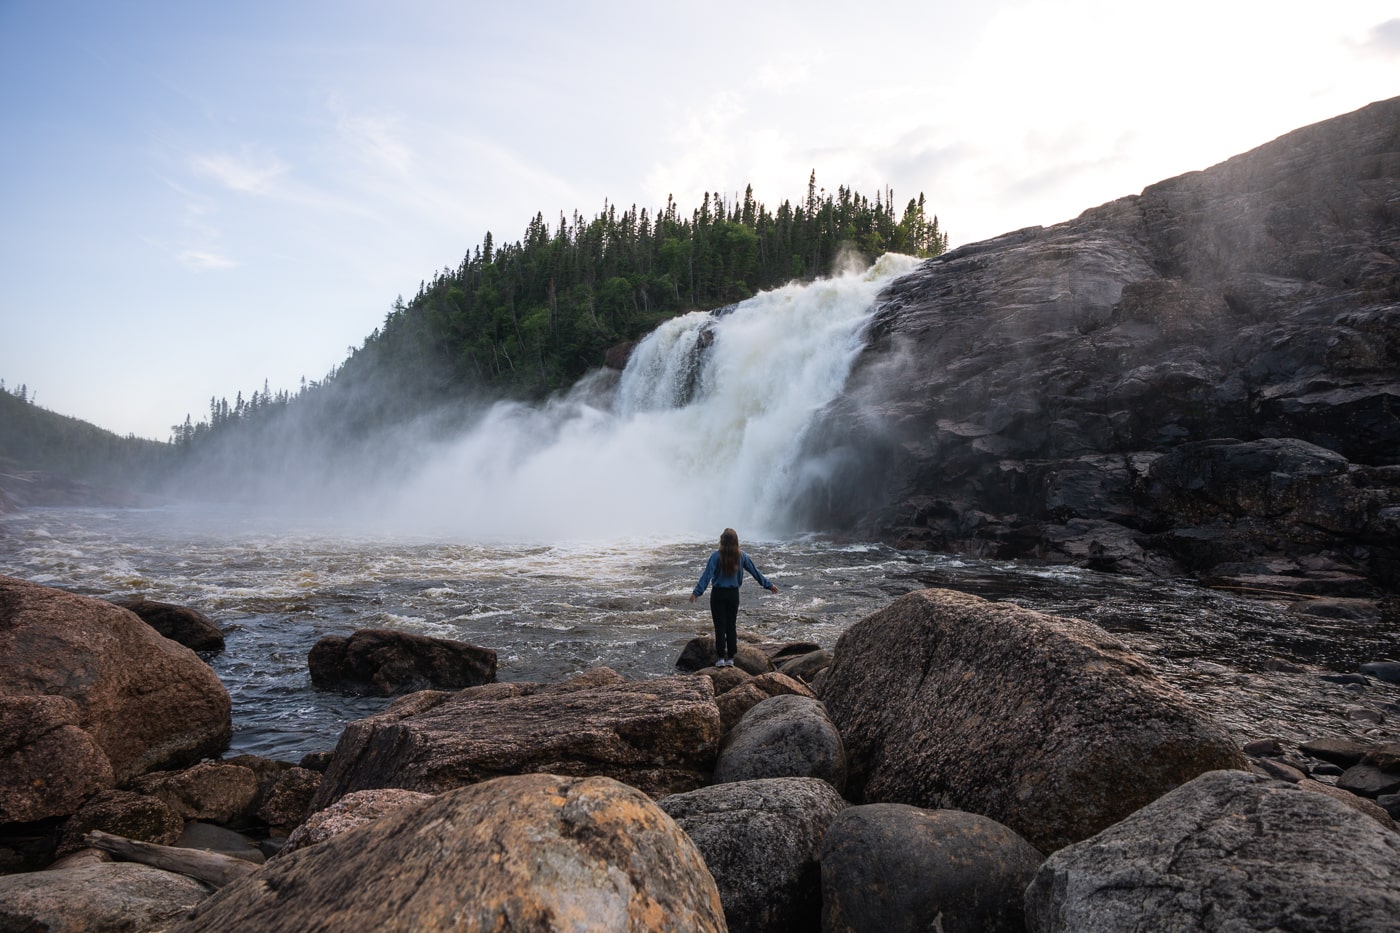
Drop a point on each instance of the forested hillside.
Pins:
(34, 438)
(525, 318)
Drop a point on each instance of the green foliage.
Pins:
(527, 318)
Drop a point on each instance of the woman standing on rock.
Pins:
(725, 569)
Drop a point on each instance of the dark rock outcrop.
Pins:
(189, 627)
(1227, 851)
(901, 869)
(1203, 377)
(531, 852)
(1046, 724)
(383, 662)
(146, 701)
(659, 735)
(761, 840)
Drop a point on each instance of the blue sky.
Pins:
(198, 197)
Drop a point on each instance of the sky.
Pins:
(197, 199)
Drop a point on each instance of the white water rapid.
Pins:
(700, 433)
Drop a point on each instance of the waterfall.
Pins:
(700, 432)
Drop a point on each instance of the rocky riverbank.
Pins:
(949, 760)
(1198, 380)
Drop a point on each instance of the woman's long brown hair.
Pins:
(728, 551)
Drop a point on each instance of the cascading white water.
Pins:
(701, 432)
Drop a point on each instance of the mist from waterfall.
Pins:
(700, 432)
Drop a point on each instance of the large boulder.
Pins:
(783, 736)
(97, 897)
(659, 735)
(189, 627)
(761, 841)
(1048, 725)
(50, 764)
(121, 813)
(384, 662)
(893, 868)
(526, 853)
(217, 791)
(146, 701)
(1227, 851)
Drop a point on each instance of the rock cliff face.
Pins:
(1202, 378)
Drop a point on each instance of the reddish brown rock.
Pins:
(659, 735)
(211, 790)
(525, 853)
(50, 765)
(733, 704)
(351, 812)
(146, 701)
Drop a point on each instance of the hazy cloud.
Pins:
(201, 260)
(249, 172)
(1382, 39)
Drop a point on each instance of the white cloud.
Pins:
(249, 172)
(200, 260)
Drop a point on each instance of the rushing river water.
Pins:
(550, 611)
(704, 429)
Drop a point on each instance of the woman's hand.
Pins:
(692, 597)
(773, 588)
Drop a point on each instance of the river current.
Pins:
(569, 534)
(553, 610)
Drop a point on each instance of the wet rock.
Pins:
(760, 840)
(531, 852)
(1277, 770)
(894, 868)
(1388, 671)
(51, 765)
(383, 662)
(189, 627)
(1390, 803)
(1225, 851)
(658, 735)
(146, 701)
(351, 812)
(97, 897)
(317, 761)
(211, 790)
(1046, 724)
(122, 813)
(733, 704)
(1345, 679)
(783, 736)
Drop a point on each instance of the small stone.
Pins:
(1327, 769)
(1368, 781)
(1386, 757)
(1345, 679)
(1344, 752)
(1388, 671)
(1277, 769)
(1390, 803)
(1362, 714)
(1266, 748)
